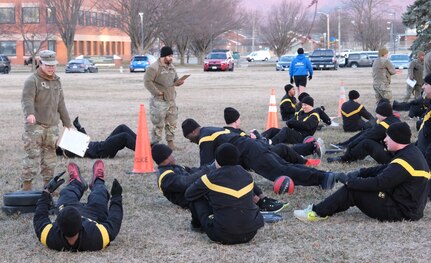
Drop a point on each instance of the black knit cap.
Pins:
(230, 115)
(166, 51)
(188, 126)
(353, 94)
(303, 95)
(427, 79)
(308, 100)
(384, 109)
(288, 87)
(160, 152)
(227, 154)
(300, 50)
(69, 220)
(400, 132)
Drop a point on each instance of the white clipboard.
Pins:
(410, 82)
(74, 141)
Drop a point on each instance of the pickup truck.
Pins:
(324, 59)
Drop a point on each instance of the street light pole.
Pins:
(141, 14)
(339, 32)
(327, 29)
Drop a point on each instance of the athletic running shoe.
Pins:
(308, 215)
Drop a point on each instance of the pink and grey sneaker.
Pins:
(98, 172)
(75, 174)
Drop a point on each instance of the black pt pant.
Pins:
(283, 135)
(367, 147)
(121, 137)
(374, 204)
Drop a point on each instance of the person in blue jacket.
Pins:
(300, 69)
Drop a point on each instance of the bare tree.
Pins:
(142, 36)
(284, 23)
(66, 14)
(369, 27)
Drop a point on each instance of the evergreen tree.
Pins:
(418, 15)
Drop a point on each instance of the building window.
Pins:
(52, 45)
(31, 45)
(50, 15)
(81, 18)
(88, 48)
(30, 15)
(101, 48)
(81, 47)
(95, 48)
(87, 18)
(93, 19)
(113, 44)
(108, 49)
(8, 48)
(7, 15)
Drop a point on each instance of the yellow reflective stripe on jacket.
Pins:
(213, 136)
(353, 112)
(44, 234)
(161, 178)
(384, 124)
(243, 134)
(105, 235)
(411, 170)
(288, 100)
(225, 190)
(315, 114)
(426, 118)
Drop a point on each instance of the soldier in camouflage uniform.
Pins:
(416, 69)
(161, 79)
(43, 106)
(382, 71)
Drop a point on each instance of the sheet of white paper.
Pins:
(410, 82)
(74, 141)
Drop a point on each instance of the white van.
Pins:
(262, 55)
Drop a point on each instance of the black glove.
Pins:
(54, 183)
(257, 134)
(341, 177)
(291, 80)
(116, 188)
(323, 108)
(354, 174)
(310, 77)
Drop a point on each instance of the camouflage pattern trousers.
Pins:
(416, 91)
(39, 145)
(383, 91)
(164, 115)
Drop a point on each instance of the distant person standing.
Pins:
(300, 69)
(416, 69)
(382, 72)
(427, 64)
(161, 79)
(43, 106)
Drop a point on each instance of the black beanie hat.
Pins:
(160, 152)
(288, 87)
(384, 109)
(69, 220)
(303, 95)
(300, 50)
(400, 132)
(308, 100)
(166, 51)
(230, 115)
(188, 126)
(353, 95)
(227, 154)
(427, 79)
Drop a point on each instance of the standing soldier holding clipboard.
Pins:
(161, 79)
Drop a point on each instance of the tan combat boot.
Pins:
(26, 186)
(171, 145)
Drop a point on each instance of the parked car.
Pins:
(373, 55)
(81, 66)
(4, 64)
(324, 59)
(141, 62)
(284, 62)
(219, 61)
(400, 60)
(358, 59)
(262, 55)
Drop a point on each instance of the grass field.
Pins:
(153, 229)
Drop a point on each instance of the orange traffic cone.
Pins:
(143, 159)
(342, 98)
(272, 121)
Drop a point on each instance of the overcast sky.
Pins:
(323, 5)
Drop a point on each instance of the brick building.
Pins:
(30, 24)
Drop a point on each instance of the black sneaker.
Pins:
(267, 204)
(196, 226)
(335, 159)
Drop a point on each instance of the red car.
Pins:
(219, 61)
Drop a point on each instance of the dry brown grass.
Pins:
(156, 231)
